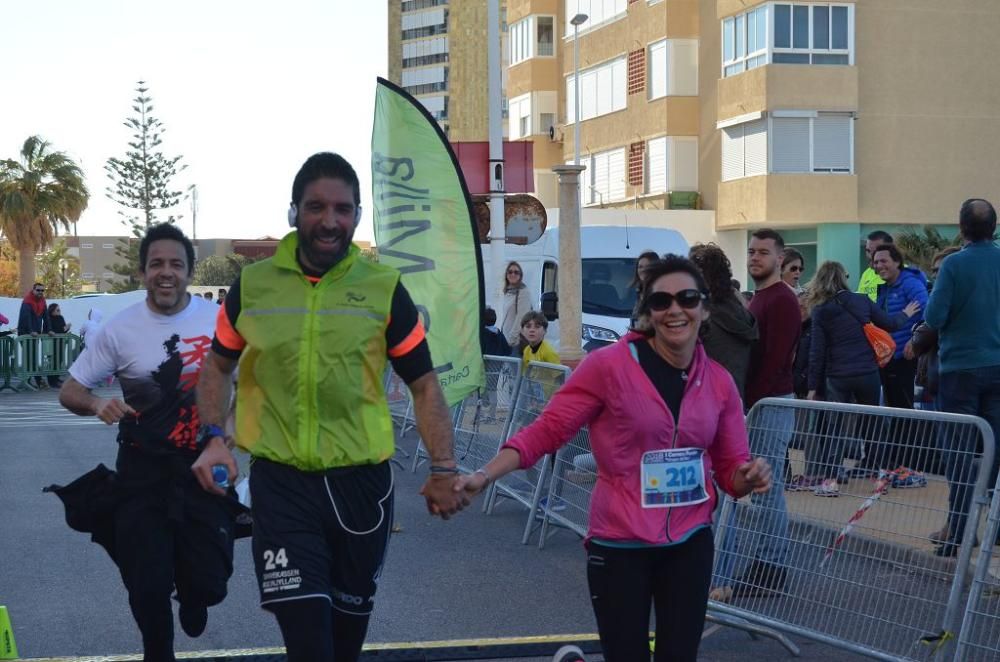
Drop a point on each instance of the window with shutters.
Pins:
(673, 68)
(635, 163)
(602, 91)
(531, 114)
(744, 150)
(656, 161)
(789, 142)
(425, 80)
(658, 69)
(832, 143)
(519, 117)
(818, 33)
(820, 142)
(424, 24)
(636, 71)
(606, 182)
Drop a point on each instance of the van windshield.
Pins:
(607, 286)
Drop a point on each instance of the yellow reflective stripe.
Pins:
(305, 311)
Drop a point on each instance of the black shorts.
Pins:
(320, 534)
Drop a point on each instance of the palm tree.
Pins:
(38, 194)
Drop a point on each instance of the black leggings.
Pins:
(314, 631)
(625, 583)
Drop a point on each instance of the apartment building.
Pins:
(96, 254)
(832, 119)
(825, 120)
(638, 86)
(437, 52)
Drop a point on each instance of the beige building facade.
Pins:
(437, 53)
(828, 120)
(639, 105)
(824, 120)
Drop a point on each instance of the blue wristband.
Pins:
(207, 432)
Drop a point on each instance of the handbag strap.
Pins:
(849, 311)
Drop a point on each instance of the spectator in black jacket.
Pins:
(490, 337)
(840, 356)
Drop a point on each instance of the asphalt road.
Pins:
(466, 578)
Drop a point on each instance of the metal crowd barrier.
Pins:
(525, 487)
(859, 570)
(6, 362)
(979, 638)
(398, 397)
(26, 357)
(574, 476)
(480, 420)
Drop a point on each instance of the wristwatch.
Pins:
(207, 432)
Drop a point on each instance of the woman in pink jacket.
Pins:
(664, 421)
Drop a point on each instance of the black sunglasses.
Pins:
(659, 301)
(514, 271)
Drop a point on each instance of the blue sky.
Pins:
(246, 90)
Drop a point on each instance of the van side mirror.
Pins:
(550, 306)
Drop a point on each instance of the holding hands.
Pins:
(442, 491)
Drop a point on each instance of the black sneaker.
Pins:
(193, 619)
(761, 580)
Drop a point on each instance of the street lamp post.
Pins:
(62, 272)
(577, 21)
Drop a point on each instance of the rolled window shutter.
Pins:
(790, 144)
(732, 152)
(832, 138)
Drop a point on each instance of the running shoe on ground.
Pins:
(828, 488)
(802, 483)
(907, 479)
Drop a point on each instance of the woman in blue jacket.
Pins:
(903, 285)
(841, 358)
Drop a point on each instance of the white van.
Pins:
(608, 265)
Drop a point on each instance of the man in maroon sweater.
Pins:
(776, 308)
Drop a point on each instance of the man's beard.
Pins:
(323, 260)
(765, 276)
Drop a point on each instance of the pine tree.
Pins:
(141, 182)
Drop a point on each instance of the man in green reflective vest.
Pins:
(870, 280)
(311, 330)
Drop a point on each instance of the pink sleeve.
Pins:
(731, 447)
(573, 406)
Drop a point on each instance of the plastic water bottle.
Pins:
(220, 474)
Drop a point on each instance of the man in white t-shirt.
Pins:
(163, 530)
